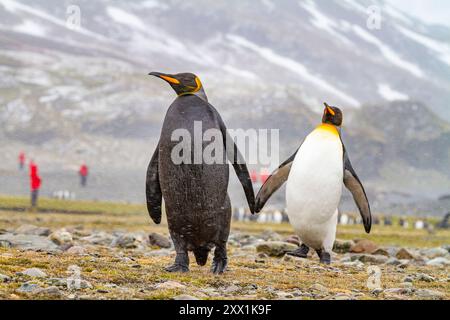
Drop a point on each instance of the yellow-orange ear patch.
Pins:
(199, 84)
(170, 79)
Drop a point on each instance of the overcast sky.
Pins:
(432, 11)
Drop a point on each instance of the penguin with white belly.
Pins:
(314, 175)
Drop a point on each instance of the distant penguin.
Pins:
(314, 175)
(195, 191)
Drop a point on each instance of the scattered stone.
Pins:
(407, 285)
(393, 262)
(403, 264)
(29, 288)
(381, 251)
(99, 238)
(261, 257)
(126, 241)
(439, 261)
(404, 254)
(343, 246)
(32, 230)
(429, 294)
(434, 252)
(294, 239)
(368, 258)
(424, 277)
(4, 278)
(270, 235)
(49, 291)
(364, 246)
(155, 239)
(231, 289)
(33, 272)
(275, 248)
(61, 237)
(185, 297)
(319, 288)
(27, 242)
(342, 296)
(357, 264)
(168, 285)
(376, 291)
(408, 279)
(76, 250)
(400, 291)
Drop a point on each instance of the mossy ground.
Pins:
(112, 278)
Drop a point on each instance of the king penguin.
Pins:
(314, 175)
(197, 204)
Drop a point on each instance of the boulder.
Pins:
(27, 242)
(364, 246)
(343, 246)
(275, 248)
(404, 254)
(61, 237)
(32, 230)
(158, 240)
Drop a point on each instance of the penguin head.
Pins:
(332, 115)
(182, 83)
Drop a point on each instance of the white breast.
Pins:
(314, 186)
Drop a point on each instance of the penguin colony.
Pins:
(195, 195)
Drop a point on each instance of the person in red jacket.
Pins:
(83, 172)
(35, 183)
(21, 160)
(264, 175)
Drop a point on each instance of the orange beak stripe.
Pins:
(170, 79)
(329, 110)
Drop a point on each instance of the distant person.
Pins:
(35, 181)
(21, 160)
(254, 176)
(83, 172)
(264, 175)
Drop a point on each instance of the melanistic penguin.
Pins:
(194, 189)
(314, 175)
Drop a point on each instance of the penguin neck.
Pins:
(200, 93)
(329, 128)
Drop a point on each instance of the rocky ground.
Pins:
(121, 255)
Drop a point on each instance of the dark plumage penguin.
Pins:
(196, 200)
(314, 174)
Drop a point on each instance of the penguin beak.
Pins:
(165, 77)
(328, 109)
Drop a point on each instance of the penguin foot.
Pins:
(324, 257)
(219, 265)
(301, 252)
(176, 267)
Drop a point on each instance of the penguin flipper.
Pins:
(274, 182)
(354, 185)
(238, 162)
(153, 188)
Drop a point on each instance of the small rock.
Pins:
(4, 278)
(275, 248)
(29, 288)
(381, 251)
(99, 238)
(32, 230)
(76, 250)
(270, 235)
(50, 291)
(61, 237)
(357, 264)
(424, 277)
(401, 291)
(367, 258)
(376, 291)
(393, 262)
(126, 241)
(34, 272)
(294, 239)
(343, 246)
(319, 288)
(439, 261)
(434, 252)
(155, 239)
(261, 257)
(231, 289)
(364, 246)
(185, 297)
(342, 296)
(404, 254)
(168, 285)
(408, 279)
(429, 294)
(27, 242)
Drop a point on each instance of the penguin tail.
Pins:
(201, 255)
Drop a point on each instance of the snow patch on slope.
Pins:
(439, 47)
(390, 94)
(31, 27)
(388, 53)
(292, 66)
